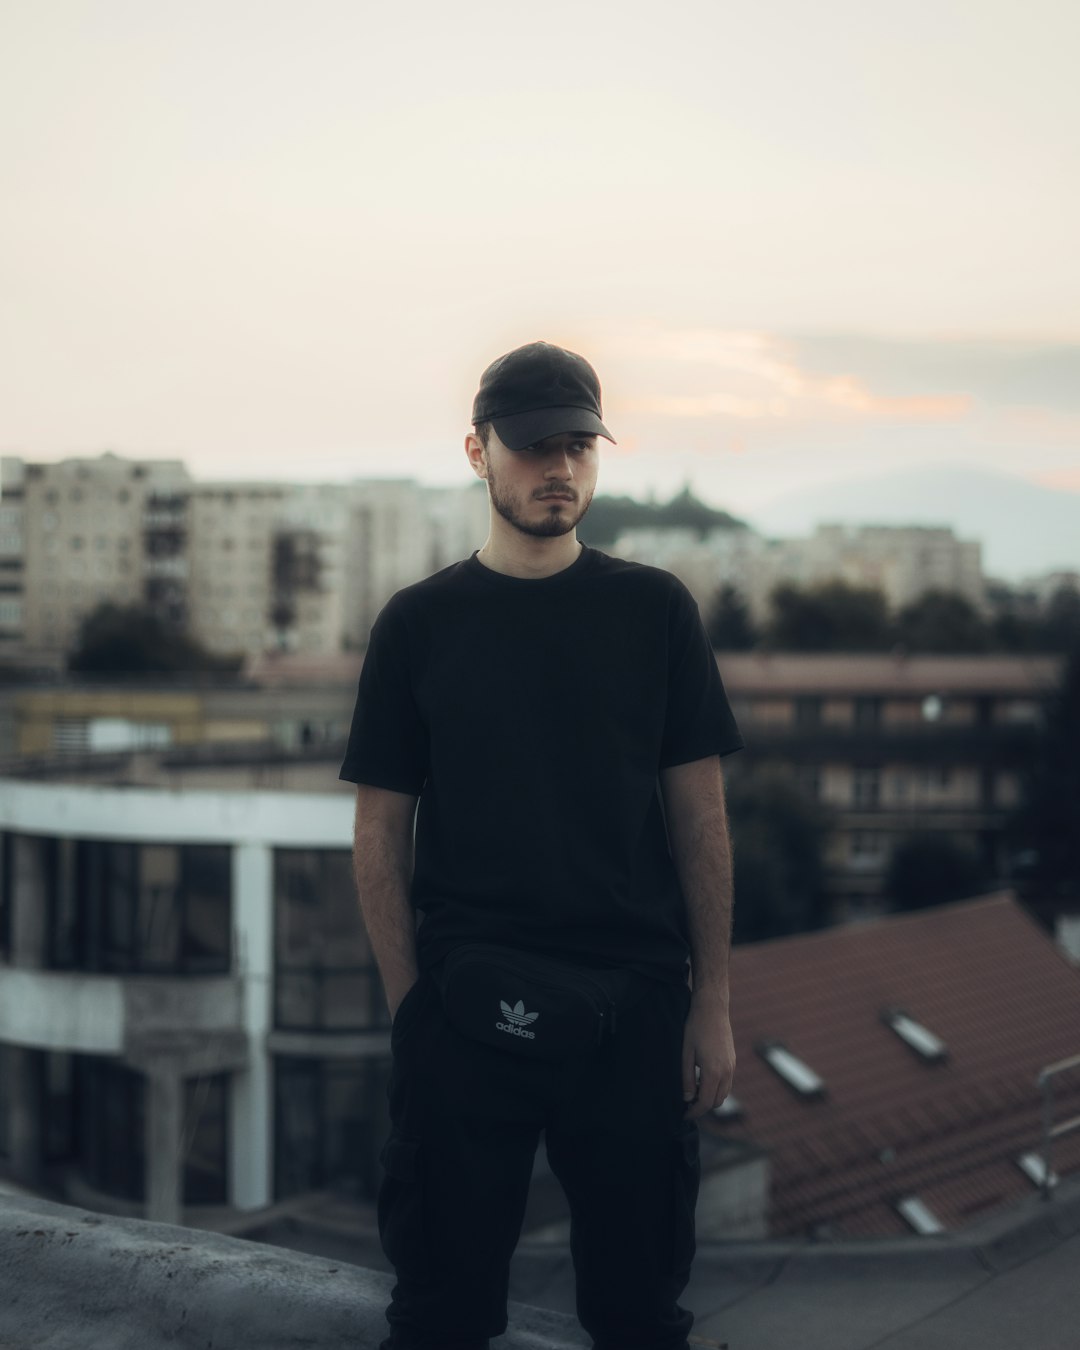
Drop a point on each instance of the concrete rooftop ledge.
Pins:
(75, 1280)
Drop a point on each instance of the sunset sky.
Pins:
(798, 242)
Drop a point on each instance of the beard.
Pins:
(560, 518)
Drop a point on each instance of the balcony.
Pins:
(125, 1016)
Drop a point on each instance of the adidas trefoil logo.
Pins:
(517, 1020)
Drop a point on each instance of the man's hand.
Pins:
(707, 1046)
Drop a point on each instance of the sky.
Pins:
(799, 243)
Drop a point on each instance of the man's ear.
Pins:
(474, 449)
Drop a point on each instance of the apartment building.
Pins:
(894, 744)
(230, 578)
(246, 567)
(901, 561)
(734, 557)
(78, 526)
(12, 559)
(191, 1020)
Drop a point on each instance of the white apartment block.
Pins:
(724, 557)
(399, 532)
(1043, 587)
(903, 561)
(81, 538)
(12, 561)
(229, 556)
(245, 567)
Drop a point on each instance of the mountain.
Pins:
(1024, 529)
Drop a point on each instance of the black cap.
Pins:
(538, 391)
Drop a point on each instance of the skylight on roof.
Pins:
(792, 1070)
(923, 1042)
(1033, 1165)
(919, 1215)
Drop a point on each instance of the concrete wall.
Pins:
(80, 1013)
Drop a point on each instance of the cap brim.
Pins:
(524, 429)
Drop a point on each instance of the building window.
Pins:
(919, 1215)
(64, 930)
(204, 1142)
(808, 779)
(6, 887)
(325, 1114)
(867, 713)
(866, 789)
(7, 1075)
(60, 1108)
(147, 908)
(867, 848)
(326, 975)
(807, 712)
(794, 1071)
(108, 1131)
(111, 1126)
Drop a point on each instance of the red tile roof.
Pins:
(982, 976)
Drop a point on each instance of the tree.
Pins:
(1046, 824)
(941, 621)
(830, 617)
(777, 835)
(728, 621)
(1059, 627)
(608, 517)
(931, 869)
(134, 640)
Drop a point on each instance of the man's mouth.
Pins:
(556, 497)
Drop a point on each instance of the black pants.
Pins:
(465, 1124)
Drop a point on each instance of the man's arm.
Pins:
(383, 865)
(701, 850)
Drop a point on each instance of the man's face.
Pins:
(546, 489)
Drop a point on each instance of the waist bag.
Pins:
(530, 1005)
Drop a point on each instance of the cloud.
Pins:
(1066, 480)
(998, 373)
(753, 376)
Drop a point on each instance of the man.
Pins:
(558, 718)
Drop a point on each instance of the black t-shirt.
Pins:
(532, 717)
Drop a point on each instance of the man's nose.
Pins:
(559, 465)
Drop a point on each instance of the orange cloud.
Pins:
(1066, 480)
(755, 376)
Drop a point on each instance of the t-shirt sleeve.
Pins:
(388, 740)
(699, 721)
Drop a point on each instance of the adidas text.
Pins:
(515, 1031)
